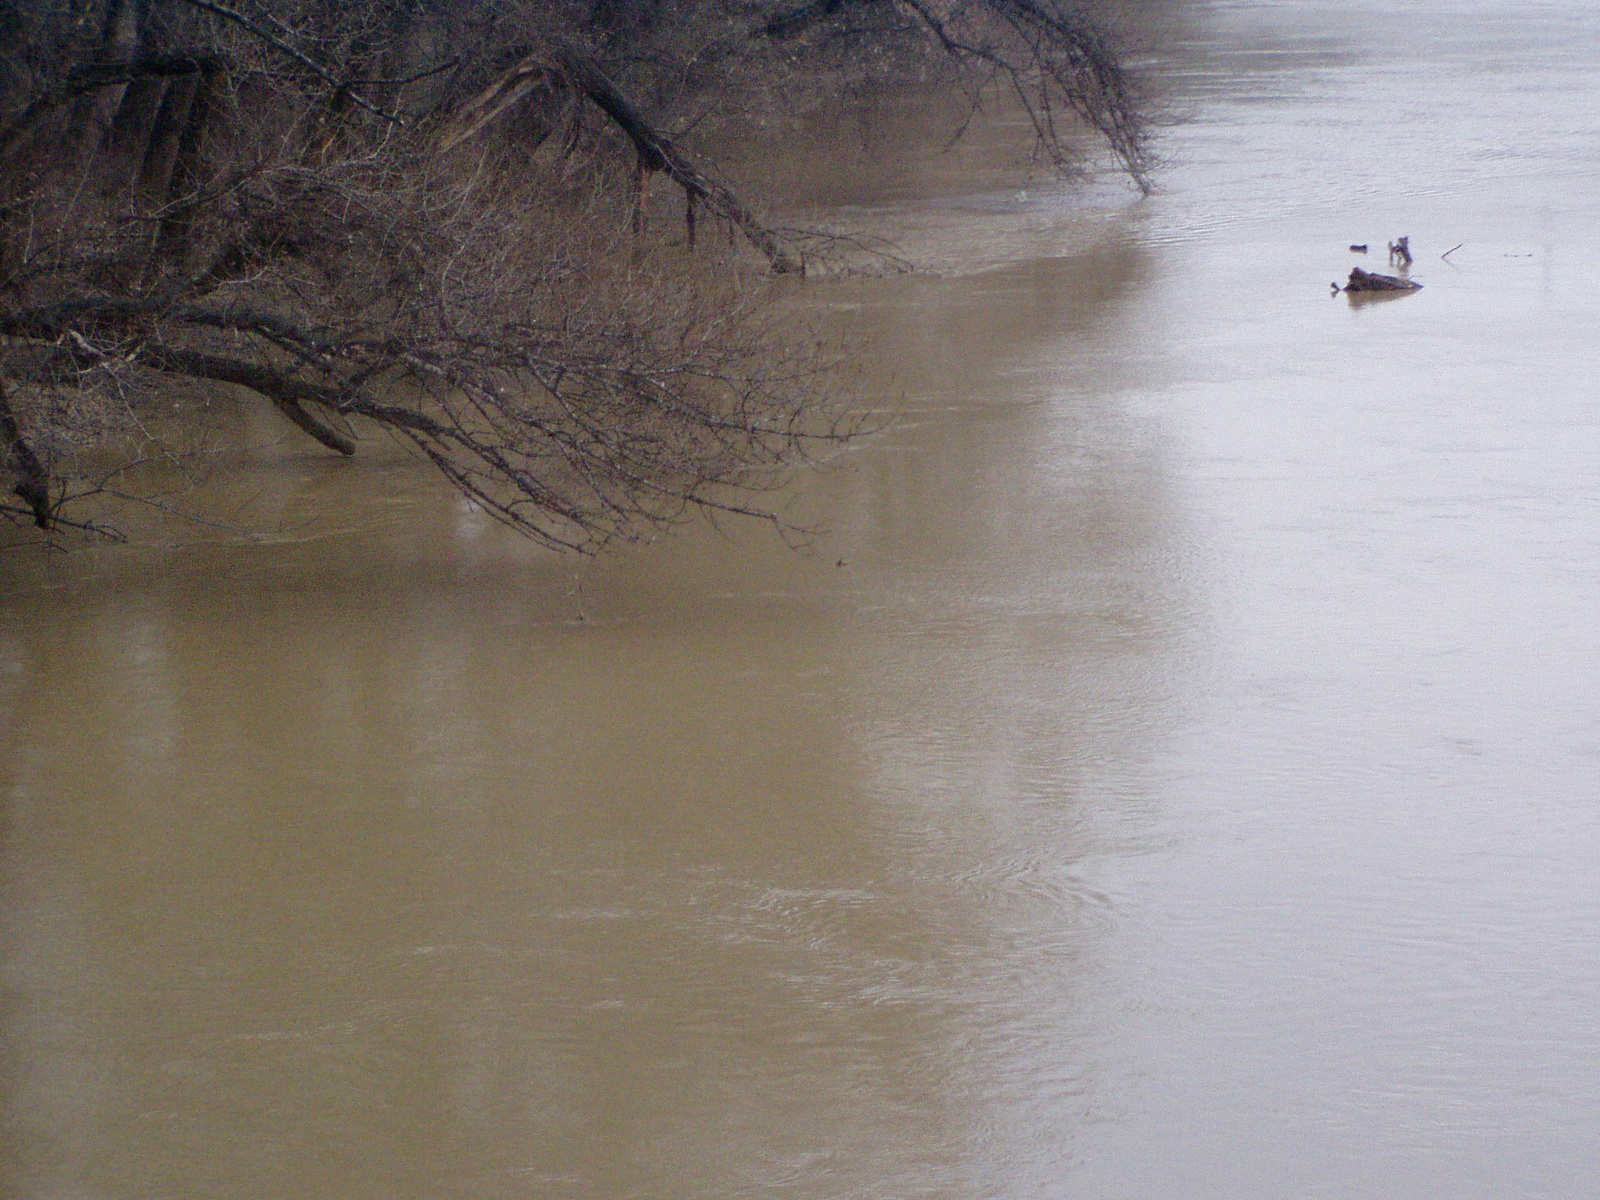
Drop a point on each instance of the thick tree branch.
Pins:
(119, 315)
(288, 394)
(657, 153)
(65, 322)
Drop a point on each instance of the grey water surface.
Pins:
(1176, 775)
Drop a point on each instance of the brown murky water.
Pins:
(1176, 776)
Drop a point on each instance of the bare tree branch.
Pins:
(204, 200)
(256, 29)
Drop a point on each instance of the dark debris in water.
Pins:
(1371, 281)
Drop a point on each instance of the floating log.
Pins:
(1369, 281)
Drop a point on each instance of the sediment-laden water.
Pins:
(1175, 774)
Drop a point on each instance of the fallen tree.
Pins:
(427, 219)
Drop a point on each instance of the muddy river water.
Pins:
(1176, 775)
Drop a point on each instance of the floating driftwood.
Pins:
(1370, 281)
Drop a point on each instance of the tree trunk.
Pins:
(161, 152)
(33, 481)
(95, 112)
(134, 120)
